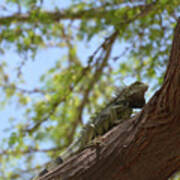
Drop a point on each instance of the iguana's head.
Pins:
(135, 94)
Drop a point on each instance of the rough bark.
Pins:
(145, 147)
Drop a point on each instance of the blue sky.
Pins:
(45, 59)
(32, 71)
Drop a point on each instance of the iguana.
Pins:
(119, 109)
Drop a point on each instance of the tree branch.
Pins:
(56, 16)
(146, 146)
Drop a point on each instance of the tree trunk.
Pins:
(145, 147)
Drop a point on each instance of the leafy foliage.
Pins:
(135, 41)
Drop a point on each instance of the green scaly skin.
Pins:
(116, 111)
